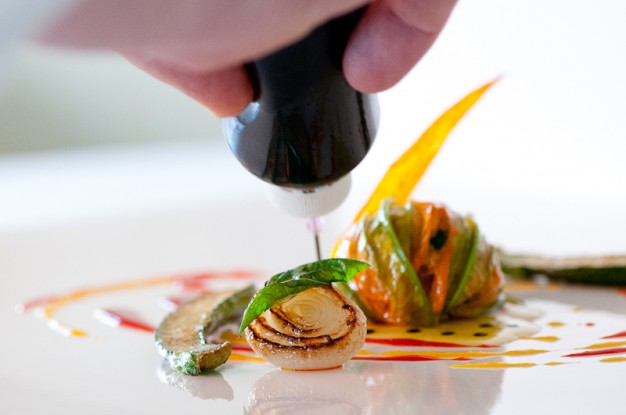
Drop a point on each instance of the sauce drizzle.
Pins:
(415, 343)
(469, 340)
(492, 365)
(600, 352)
(116, 319)
(616, 335)
(51, 304)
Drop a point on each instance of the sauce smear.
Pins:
(116, 319)
(612, 350)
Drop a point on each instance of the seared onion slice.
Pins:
(319, 328)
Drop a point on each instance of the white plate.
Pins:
(119, 371)
(129, 237)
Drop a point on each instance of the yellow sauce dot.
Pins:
(556, 324)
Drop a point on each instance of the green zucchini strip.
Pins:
(600, 270)
(469, 267)
(412, 274)
(181, 336)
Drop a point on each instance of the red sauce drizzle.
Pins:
(406, 358)
(204, 276)
(613, 350)
(195, 282)
(120, 319)
(616, 335)
(192, 285)
(172, 303)
(417, 343)
(241, 347)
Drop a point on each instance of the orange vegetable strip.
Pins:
(439, 287)
(426, 212)
(402, 177)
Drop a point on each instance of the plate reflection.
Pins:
(337, 392)
(209, 386)
(381, 388)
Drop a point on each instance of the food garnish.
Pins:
(293, 281)
(403, 175)
(300, 321)
(428, 264)
(603, 270)
(182, 336)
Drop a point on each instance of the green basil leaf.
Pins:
(326, 271)
(296, 280)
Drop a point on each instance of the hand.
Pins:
(200, 46)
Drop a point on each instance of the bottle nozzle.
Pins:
(309, 203)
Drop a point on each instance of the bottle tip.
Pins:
(311, 202)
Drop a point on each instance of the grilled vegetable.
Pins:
(182, 336)
(300, 321)
(428, 263)
(293, 281)
(319, 328)
(603, 270)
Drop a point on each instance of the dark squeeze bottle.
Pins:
(307, 127)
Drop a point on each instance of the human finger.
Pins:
(199, 35)
(225, 92)
(390, 39)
